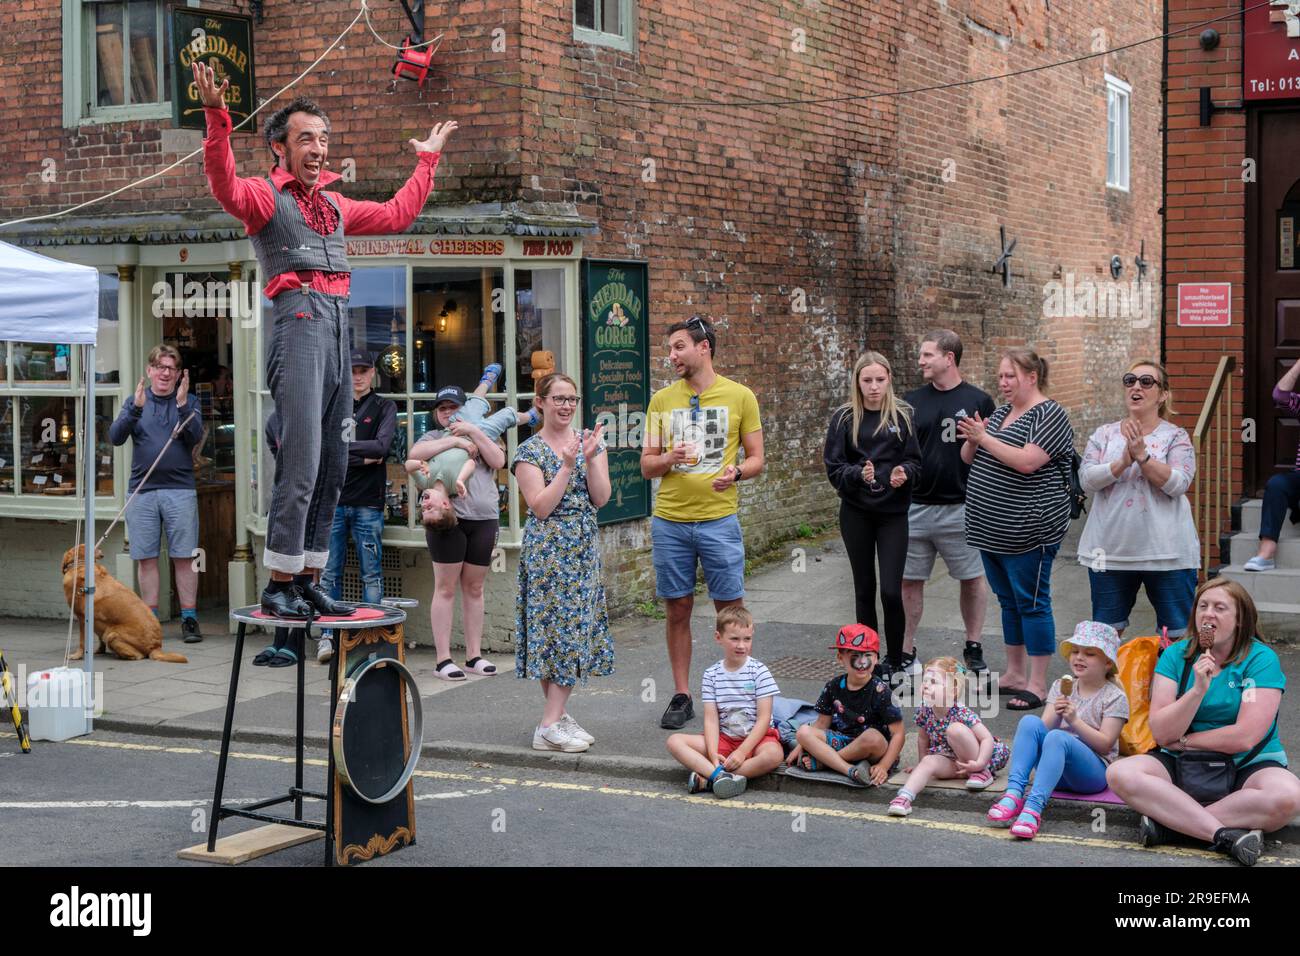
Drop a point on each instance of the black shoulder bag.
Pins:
(1208, 776)
(1073, 487)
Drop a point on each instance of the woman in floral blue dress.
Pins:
(561, 621)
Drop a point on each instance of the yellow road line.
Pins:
(966, 829)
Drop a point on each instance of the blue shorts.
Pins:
(174, 510)
(1114, 592)
(717, 545)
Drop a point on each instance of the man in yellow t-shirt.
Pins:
(694, 429)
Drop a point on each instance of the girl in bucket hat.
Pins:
(1077, 737)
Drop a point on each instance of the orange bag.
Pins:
(1137, 668)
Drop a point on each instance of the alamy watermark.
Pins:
(1072, 298)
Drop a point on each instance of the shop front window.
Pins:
(107, 358)
(429, 326)
(47, 449)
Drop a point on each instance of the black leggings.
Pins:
(867, 534)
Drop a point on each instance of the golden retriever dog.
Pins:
(123, 623)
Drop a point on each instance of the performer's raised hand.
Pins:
(139, 393)
(438, 137)
(205, 78)
(183, 389)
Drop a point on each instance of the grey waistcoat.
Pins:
(288, 244)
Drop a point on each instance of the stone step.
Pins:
(1276, 592)
(1245, 546)
(1250, 514)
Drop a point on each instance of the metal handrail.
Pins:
(1212, 488)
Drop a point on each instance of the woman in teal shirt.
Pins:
(1228, 702)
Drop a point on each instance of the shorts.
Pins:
(174, 510)
(941, 530)
(717, 545)
(1167, 760)
(1114, 592)
(470, 542)
(727, 743)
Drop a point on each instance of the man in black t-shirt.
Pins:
(360, 511)
(937, 517)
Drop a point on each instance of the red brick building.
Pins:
(1233, 194)
(755, 155)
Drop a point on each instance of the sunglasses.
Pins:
(695, 409)
(1146, 381)
(704, 328)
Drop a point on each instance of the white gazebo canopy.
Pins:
(45, 300)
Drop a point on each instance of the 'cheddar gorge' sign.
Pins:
(224, 41)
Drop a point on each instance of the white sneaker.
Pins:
(324, 650)
(575, 731)
(555, 737)
(1260, 564)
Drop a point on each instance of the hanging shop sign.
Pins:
(616, 376)
(1272, 52)
(224, 41)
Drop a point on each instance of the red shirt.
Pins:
(252, 202)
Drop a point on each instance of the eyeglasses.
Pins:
(563, 400)
(170, 369)
(1146, 381)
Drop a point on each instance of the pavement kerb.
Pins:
(643, 768)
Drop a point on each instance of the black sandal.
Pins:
(264, 658)
(1027, 701)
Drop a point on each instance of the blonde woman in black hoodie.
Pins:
(873, 460)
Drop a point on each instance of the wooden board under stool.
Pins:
(249, 845)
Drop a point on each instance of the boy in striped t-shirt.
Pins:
(739, 742)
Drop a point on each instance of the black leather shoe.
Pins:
(287, 603)
(324, 604)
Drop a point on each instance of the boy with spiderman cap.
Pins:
(859, 730)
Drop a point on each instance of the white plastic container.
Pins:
(57, 704)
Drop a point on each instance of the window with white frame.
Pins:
(1118, 94)
(42, 407)
(607, 22)
(115, 61)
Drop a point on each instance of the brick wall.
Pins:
(1206, 213)
(371, 121)
(1027, 153)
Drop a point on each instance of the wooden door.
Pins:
(1273, 320)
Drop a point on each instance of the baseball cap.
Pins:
(857, 638)
(360, 358)
(450, 393)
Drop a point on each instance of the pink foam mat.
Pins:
(1106, 796)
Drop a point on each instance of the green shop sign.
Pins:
(616, 376)
(224, 41)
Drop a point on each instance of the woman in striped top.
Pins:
(1017, 513)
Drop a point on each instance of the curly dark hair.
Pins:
(277, 127)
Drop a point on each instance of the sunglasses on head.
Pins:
(1146, 381)
(704, 328)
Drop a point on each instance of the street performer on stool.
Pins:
(298, 233)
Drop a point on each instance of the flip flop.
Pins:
(1027, 701)
(284, 657)
(808, 762)
(264, 658)
(1008, 691)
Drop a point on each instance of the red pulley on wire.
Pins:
(414, 59)
(412, 64)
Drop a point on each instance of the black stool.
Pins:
(251, 615)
